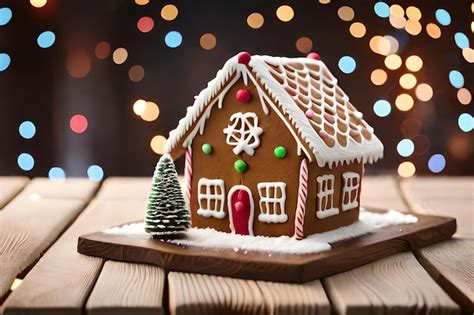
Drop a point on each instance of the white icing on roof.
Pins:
(334, 130)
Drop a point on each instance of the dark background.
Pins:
(37, 86)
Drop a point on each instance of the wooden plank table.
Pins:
(40, 221)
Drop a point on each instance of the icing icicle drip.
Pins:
(188, 174)
(301, 206)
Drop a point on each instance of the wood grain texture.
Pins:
(76, 188)
(62, 279)
(125, 188)
(394, 285)
(27, 228)
(382, 192)
(293, 299)
(194, 294)
(453, 196)
(9, 187)
(293, 268)
(451, 264)
(124, 288)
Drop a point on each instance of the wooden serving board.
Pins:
(294, 268)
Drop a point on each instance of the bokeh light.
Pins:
(46, 39)
(468, 54)
(378, 77)
(151, 112)
(405, 147)
(384, 45)
(414, 63)
(382, 9)
(27, 129)
(304, 45)
(208, 41)
(437, 163)
(345, 13)
(397, 10)
(95, 173)
(136, 73)
(120, 55)
(78, 64)
(5, 61)
(461, 40)
(413, 27)
(139, 107)
(404, 102)
(413, 13)
(433, 30)
(465, 122)
(357, 30)
(145, 24)
(382, 108)
(424, 92)
(285, 13)
(6, 15)
(56, 173)
(255, 20)
(347, 64)
(169, 12)
(26, 161)
(407, 81)
(324, 1)
(398, 22)
(173, 39)
(464, 96)
(102, 50)
(456, 79)
(142, 2)
(393, 61)
(78, 123)
(443, 17)
(157, 144)
(38, 3)
(406, 169)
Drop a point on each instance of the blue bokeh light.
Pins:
(173, 39)
(382, 108)
(437, 163)
(347, 64)
(5, 16)
(406, 147)
(461, 40)
(4, 61)
(56, 173)
(27, 129)
(456, 79)
(443, 17)
(466, 122)
(95, 172)
(382, 9)
(46, 39)
(25, 161)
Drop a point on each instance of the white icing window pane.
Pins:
(325, 196)
(211, 198)
(350, 190)
(272, 202)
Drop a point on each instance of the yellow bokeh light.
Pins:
(285, 13)
(38, 3)
(142, 2)
(424, 92)
(158, 144)
(169, 12)
(255, 20)
(378, 77)
(345, 13)
(380, 45)
(406, 169)
(139, 107)
(397, 21)
(414, 63)
(404, 102)
(396, 10)
(393, 62)
(324, 1)
(357, 30)
(413, 27)
(468, 54)
(120, 55)
(433, 30)
(208, 41)
(413, 13)
(464, 96)
(407, 81)
(304, 45)
(151, 112)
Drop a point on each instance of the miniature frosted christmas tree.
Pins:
(167, 212)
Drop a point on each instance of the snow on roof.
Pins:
(307, 94)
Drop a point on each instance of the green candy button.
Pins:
(240, 166)
(206, 148)
(280, 152)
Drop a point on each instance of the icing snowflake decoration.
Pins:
(243, 133)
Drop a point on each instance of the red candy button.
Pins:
(243, 96)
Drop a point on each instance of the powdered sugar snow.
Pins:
(210, 238)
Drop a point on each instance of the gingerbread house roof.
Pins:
(305, 95)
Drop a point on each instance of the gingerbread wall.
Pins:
(262, 167)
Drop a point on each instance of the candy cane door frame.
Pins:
(240, 215)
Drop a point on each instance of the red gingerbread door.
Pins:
(241, 207)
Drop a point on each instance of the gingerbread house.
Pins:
(273, 147)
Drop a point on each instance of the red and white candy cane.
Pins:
(188, 174)
(301, 206)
